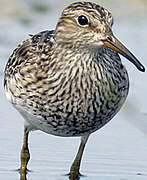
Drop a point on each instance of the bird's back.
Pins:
(26, 65)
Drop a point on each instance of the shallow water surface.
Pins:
(118, 151)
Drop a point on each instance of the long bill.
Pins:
(113, 43)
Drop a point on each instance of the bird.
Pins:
(69, 81)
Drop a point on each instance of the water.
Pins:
(116, 152)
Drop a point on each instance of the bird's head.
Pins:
(86, 24)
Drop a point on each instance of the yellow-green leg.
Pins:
(25, 156)
(75, 168)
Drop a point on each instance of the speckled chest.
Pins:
(69, 98)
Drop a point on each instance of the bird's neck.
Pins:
(67, 53)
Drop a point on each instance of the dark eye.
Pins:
(83, 20)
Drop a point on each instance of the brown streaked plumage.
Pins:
(70, 81)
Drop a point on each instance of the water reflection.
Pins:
(23, 175)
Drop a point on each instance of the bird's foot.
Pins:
(26, 171)
(23, 173)
(74, 175)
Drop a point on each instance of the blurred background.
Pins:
(118, 151)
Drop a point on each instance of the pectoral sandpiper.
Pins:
(69, 81)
